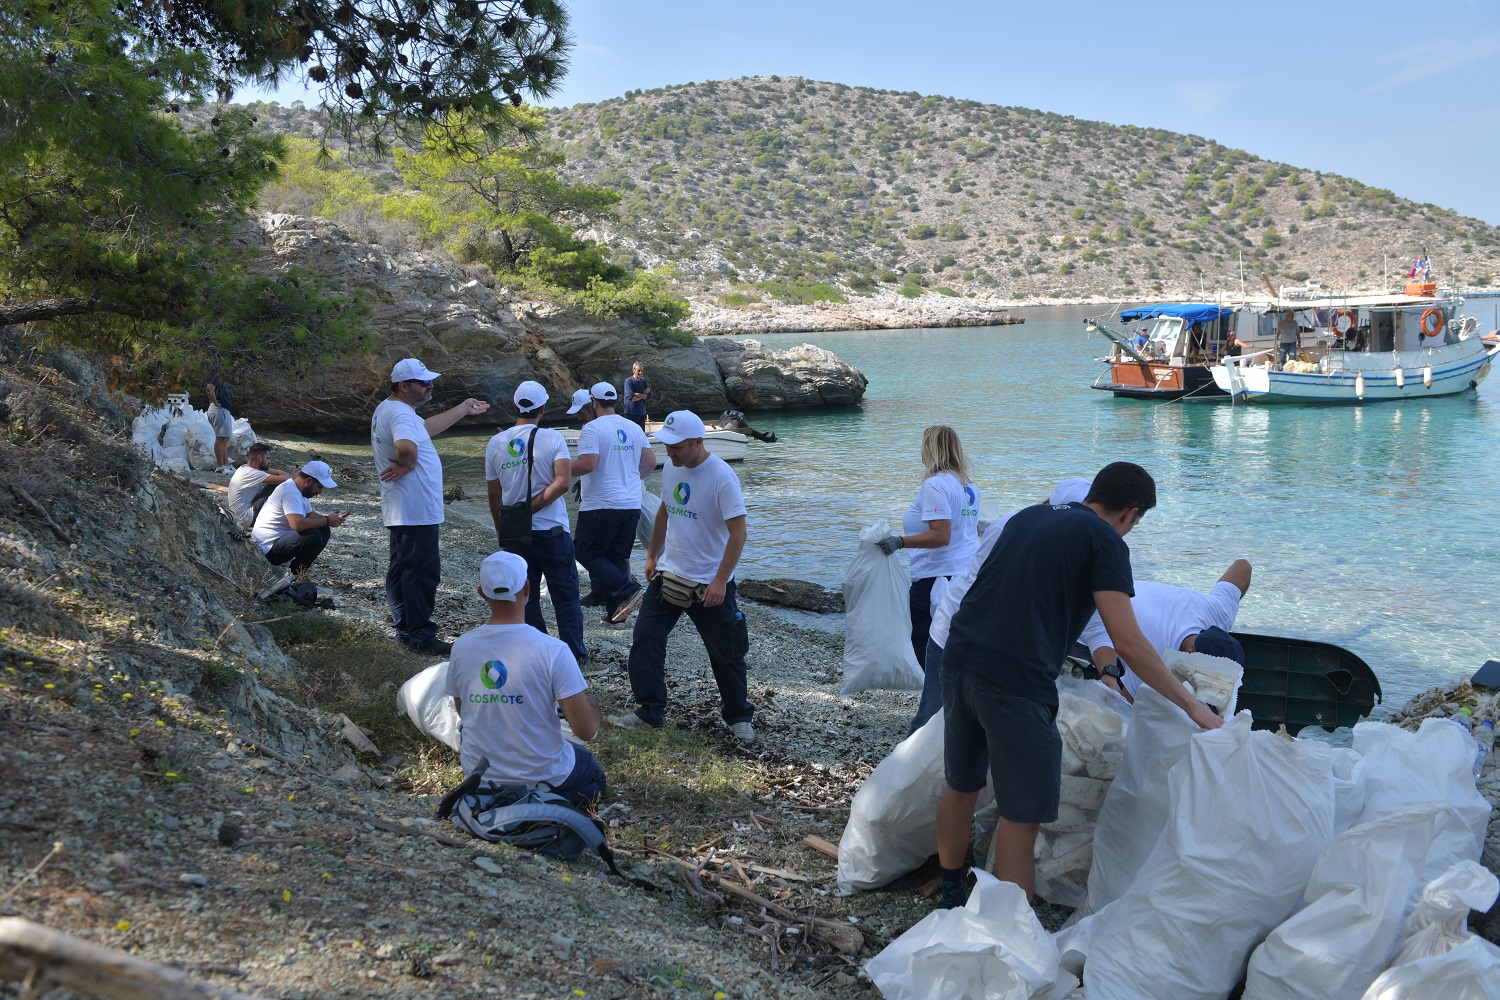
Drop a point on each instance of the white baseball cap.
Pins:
(1070, 491)
(680, 425)
(412, 370)
(603, 390)
(321, 472)
(530, 396)
(502, 575)
(581, 399)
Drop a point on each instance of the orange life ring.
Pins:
(1343, 322)
(1434, 328)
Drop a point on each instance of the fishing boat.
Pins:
(1363, 348)
(1170, 354)
(731, 446)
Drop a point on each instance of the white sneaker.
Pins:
(743, 731)
(630, 721)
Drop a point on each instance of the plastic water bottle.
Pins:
(1464, 718)
(1484, 735)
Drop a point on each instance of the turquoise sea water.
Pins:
(1370, 526)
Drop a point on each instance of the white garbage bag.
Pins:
(992, 948)
(1362, 888)
(646, 523)
(1135, 810)
(877, 621)
(179, 440)
(1438, 957)
(1405, 769)
(892, 826)
(425, 701)
(241, 440)
(1249, 814)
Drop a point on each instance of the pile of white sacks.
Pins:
(180, 438)
(1302, 869)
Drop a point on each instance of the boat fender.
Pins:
(1432, 322)
(1482, 374)
(1343, 322)
(1427, 376)
(1400, 378)
(1359, 385)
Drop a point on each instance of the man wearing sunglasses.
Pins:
(411, 498)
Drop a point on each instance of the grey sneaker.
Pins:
(276, 588)
(630, 721)
(743, 731)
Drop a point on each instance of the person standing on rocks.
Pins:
(508, 682)
(613, 457)
(411, 499)
(637, 393)
(1052, 566)
(530, 461)
(695, 545)
(221, 417)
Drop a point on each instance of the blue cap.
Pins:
(1216, 642)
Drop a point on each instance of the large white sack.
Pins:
(877, 620)
(1438, 957)
(241, 440)
(1362, 888)
(1135, 810)
(425, 701)
(992, 948)
(892, 826)
(1404, 769)
(1249, 814)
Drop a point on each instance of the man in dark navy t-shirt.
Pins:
(1052, 566)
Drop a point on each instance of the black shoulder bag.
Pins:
(515, 518)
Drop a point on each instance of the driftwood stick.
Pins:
(45, 957)
(819, 844)
(261, 748)
(390, 826)
(842, 936)
(36, 505)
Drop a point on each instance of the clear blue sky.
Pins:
(1404, 96)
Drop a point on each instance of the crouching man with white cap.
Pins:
(287, 529)
(695, 544)
(411, 498)
(508, 681)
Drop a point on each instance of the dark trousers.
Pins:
(260, 501)
(724, 636)
(551, 556)
(604, 541)
(586, 782)
(919, 599)
(639, 419)
(932, 687)
(299, 551)
(411, 581)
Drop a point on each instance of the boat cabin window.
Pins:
(1164, 337)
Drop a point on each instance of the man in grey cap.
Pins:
(613, 457)
(287, 529)
(411, 498)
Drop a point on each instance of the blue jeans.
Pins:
(724, 636)
(551, 556)
(932, 687)
(604, 541)
(586, 782)
(299, 551)
(411, 581)
(919, 600)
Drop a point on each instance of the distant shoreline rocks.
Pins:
(882, 312)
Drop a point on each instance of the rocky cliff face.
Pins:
(486, 341)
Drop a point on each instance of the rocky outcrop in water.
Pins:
(486, 340)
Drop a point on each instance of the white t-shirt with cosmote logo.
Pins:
(243, 485)
(1167, 615)
(417, 497)
(508, 680)
(698, 501)
(944, 497)
(272, 523)
(505, 460)
(615, 483)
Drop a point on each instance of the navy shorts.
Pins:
(1013, 738)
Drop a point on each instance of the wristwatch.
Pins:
(1115, 670)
